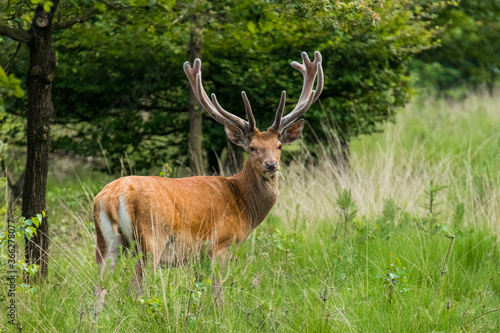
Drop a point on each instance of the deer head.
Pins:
(264, 148)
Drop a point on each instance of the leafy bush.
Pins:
(120, 91)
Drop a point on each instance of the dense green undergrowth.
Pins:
(405, 241)
(384, 276)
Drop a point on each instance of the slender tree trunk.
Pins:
(13, 197)
(40, 113)
(195, 112)
(13, 191)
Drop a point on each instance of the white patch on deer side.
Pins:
(125, 221)
(113, 240)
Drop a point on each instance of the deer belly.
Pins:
(179, 251)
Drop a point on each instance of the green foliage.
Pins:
(469, 53)
(430, 202)
(348, 210)
(395, 279)
(120, 92)
(9, 86)
(16, 268)
(23, 228)
(47, 4)
(320, 285)
(387, 220)
(457, 220)
(367, 281)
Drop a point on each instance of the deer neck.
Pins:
(257, 194)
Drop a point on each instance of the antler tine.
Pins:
(279, 113)
(216, 111)
(242, 124)
(309, 71)
(248, 110)
(205, 102)
(297, 112)
(192, 74)
(308, 96)
(320, 84)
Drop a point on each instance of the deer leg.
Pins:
(139, 276)
(139, 267)
(111, 256)
(155, 247)
(219, 256)
(108, 249)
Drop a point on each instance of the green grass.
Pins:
(293, 274)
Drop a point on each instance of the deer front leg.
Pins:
(219, 256)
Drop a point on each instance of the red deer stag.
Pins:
(173, 218)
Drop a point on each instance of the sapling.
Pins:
(348, 210)
(387, 220)
(481, 315)
(430, 203)
(457, 220)
(443, 270)
(395, 279)
(486, 294)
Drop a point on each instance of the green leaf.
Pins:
(138, 3)
(100, 6)
(39, 219)
(169, 3)
(47, 5)
(252, 27)
(28, 232)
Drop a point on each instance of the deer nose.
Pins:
(271, 165)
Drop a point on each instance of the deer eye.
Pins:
(252, 149)
(280, 146)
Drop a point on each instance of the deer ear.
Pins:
(292, 132)
(235, 135)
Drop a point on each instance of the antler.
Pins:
(213, 107)
(308, 96)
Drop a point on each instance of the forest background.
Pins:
(94, 89)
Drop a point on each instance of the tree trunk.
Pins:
(40, 113)
(197, 161)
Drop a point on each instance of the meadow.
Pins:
(404, 240)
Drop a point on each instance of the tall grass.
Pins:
(396, 271)
(451, 143)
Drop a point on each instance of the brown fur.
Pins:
(173, 218)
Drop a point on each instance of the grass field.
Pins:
(352, 251)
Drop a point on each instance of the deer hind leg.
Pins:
(107, 249)
(113, 242)
(154, 245)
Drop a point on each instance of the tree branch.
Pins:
(481, 315)
(72, 22)
(19, 35)
(6, 68)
